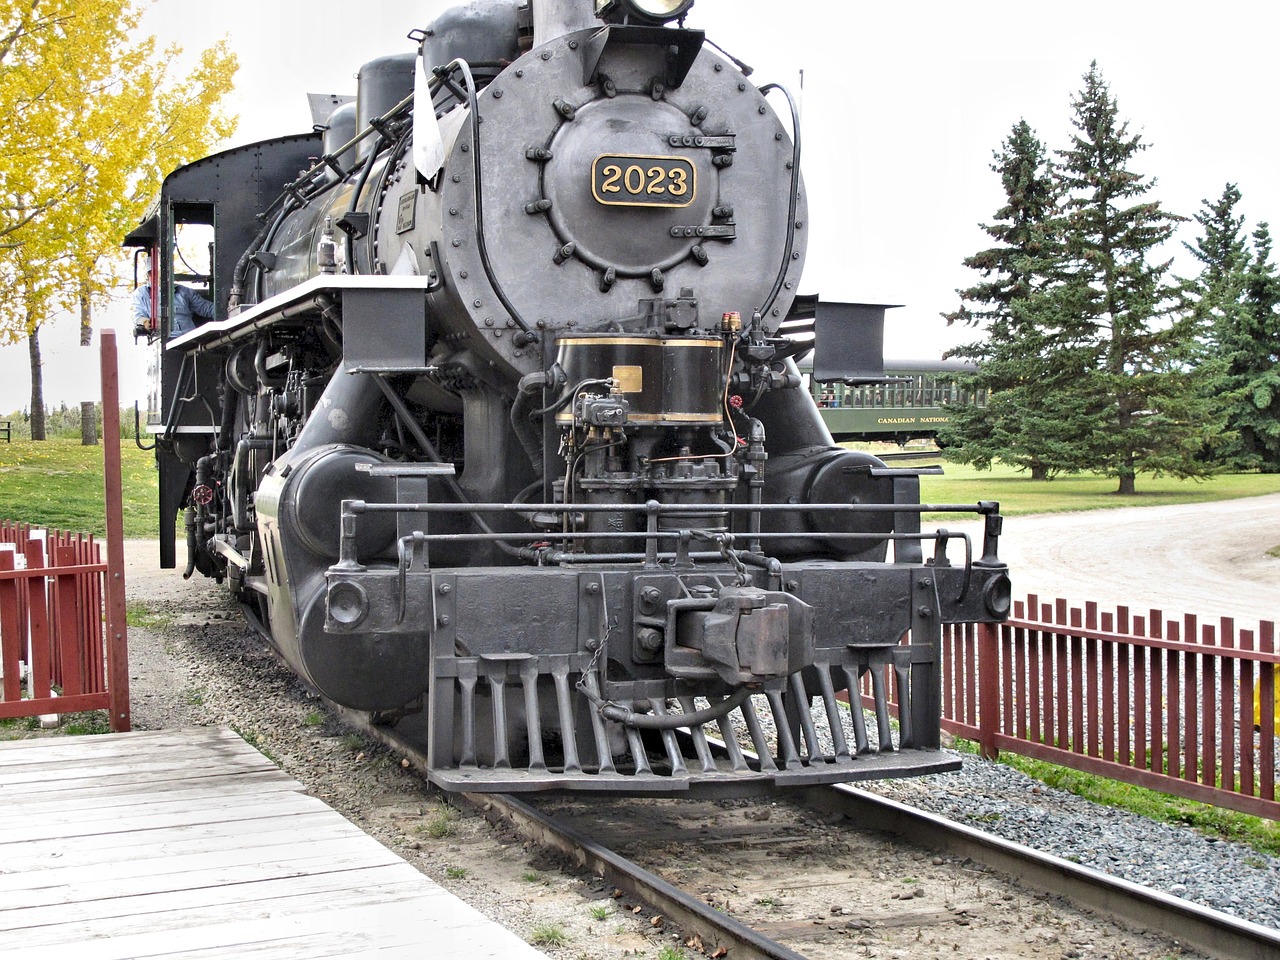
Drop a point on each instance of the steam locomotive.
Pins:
(498, 432)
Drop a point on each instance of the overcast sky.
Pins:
(903, 105)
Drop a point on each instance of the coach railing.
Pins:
(1164, 703)
(62, 609)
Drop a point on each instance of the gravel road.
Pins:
(1208, 559)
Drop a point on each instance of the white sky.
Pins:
(903, 105)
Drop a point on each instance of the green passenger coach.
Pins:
(913, 401)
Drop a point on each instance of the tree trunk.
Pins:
(1039, 472)
(86, 320)
(88, 425)
(37, 386)
(1128, 486)
(88, 416)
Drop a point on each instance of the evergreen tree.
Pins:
(1221, 249)
(1136, 401)
(1216, 298)
(1012, 366)
(1246, 378)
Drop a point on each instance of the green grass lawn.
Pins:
(58, 483)
(1018, 494)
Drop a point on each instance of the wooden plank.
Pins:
(117, 643)
(137, 744)
(1227, 716)
(1173, 691)
(301, 904)
(64, 790)
(153, 875)
(177, 816)
(65, 613)
(72, 779)
(1190, 732)
(174, 909)
(1266, 714)
(38, 619)
(11, 639)
(73, 775)
(328, 890)
(127, 742)
(114, 848)
(388, 930)
(181, 736)
(197, 759)
(1209, 717)
(1247, 782)
(135, 795)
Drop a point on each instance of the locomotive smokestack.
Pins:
(554, 18)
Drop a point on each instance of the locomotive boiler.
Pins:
(498, 432)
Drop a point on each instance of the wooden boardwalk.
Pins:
(191, 844)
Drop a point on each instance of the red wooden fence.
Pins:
(63, 616)
(1168, 704)
(51, 621)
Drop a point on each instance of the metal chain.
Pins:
(724, 541)
(581, 685)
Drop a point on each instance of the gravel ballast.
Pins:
(1000, 800)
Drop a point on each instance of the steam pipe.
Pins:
(670, 721)
(795, 196)
(530, 436)
(189, 519)
(555, 18)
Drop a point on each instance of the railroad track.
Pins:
(1212, 932)
(707, 904)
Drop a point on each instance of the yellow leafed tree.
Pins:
(94, 119)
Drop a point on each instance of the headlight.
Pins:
(646, 11)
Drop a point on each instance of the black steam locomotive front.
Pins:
(511, 443)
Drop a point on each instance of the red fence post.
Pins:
(10, 634)
(117, 631)
(989, 687)
(1247, 783)
(1267, 713)
(38, 620)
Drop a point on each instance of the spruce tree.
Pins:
(1216, 299)
(1136, 399)
(1248, 381)
(1221, 249)
(1011, 364)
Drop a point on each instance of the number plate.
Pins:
(628, 180)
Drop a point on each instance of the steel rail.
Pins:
(1212, 932)
(1209, 931)
(693, 916)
